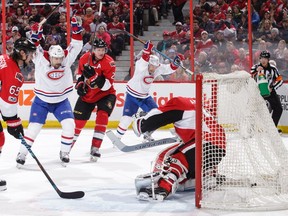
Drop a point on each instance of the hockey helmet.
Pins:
(154, 60)
(265, 54)
(24, 44)
(99, 43)
(56, 51)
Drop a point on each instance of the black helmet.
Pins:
(265, 54)
(99, 43)
(24, 44)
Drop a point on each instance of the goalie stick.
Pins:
(122, 147)
(64, 195)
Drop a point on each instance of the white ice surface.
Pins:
(108, 184)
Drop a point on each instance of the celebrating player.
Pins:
(147, 68)
(96, 73)
(53, 83)
(11, 80)
(176, 165)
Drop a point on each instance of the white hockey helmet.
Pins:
(154, 60)
(56, 51)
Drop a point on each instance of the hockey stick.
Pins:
(64, 195)
(122, 147)
(50, 14)
(162, 54)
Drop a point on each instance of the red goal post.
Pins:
(253, 174)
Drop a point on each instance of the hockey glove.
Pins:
(148, 46)
(97, 81)
(80, 86)
(76, 25)
(15, 127)
(88, 71)
(177, 61)
(37, 32)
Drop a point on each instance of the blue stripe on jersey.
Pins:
(37, 92)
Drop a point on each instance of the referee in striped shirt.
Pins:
(274, 80)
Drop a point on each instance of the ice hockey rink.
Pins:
(108, 184)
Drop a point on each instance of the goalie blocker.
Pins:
(174, 167)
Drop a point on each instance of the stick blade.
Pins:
(72, 195)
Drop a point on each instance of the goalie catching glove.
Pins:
(14, 126)
(93, 79)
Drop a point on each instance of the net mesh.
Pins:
(253, 172)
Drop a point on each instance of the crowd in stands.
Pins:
(220, 30)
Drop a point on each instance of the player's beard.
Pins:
(56, 66)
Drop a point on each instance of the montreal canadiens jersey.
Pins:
(54, 85)
(11, 80)
(139, 85)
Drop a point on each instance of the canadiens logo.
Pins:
(55, 74)
(148, 79)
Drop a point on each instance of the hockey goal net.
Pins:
(253, 173)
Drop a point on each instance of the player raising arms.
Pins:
(147, 68)
(96, 73)
(53, 83)
(11, 80)
(176, 165)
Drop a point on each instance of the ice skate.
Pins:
(64, 157)
(94, 154)
(3, 185)
(147, 194)
(20, 160)
(147, 137)
(136, 126)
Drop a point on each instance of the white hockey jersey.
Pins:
(54, 85)
(139, 85)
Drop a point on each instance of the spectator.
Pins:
(88, 19)
(242, 61)
(207, 24)
(15, 33)
(264, 32)
(178, 34)
(179, 76)
(197, 30)
(231, 53)
(261, 47)
(220, 41)
(166, 43)
(273, 39)
(109, 15)
(154, 7)
(222, 68)
(81, 7)
(177, 7)
(118, 37)
(223, 5)
(237, 14)
(284, 30)
(202, 64)
(186, 24)
(279, 52)
(34, 17)
(205, 43)
(213, 54)
(96, 22)
(217, 15)
(283, 66)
